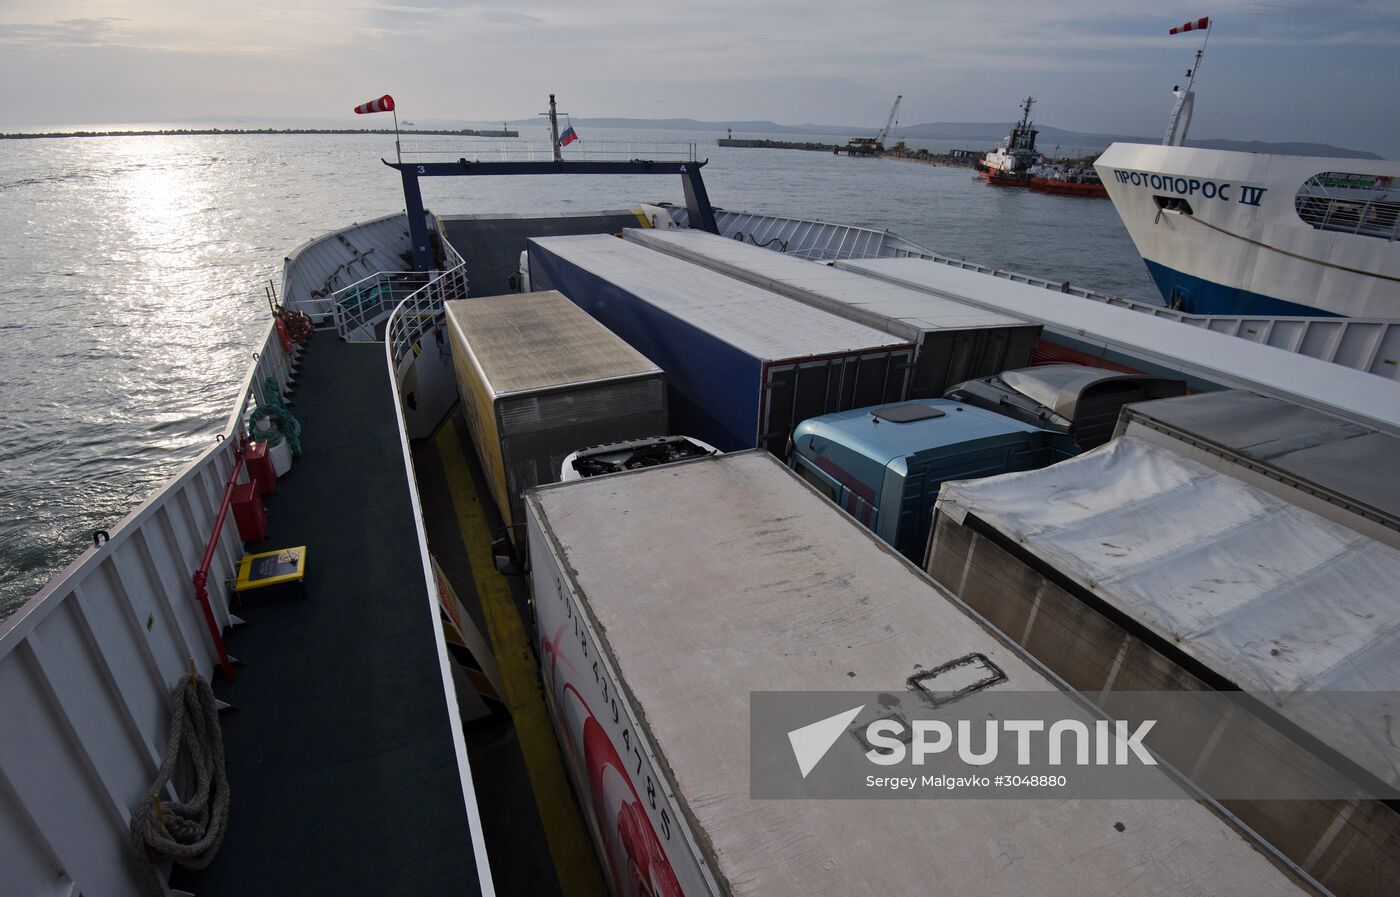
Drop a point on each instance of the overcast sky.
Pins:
(1313, 71)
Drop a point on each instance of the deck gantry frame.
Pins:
(697, 200)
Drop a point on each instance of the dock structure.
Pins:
(778, 144)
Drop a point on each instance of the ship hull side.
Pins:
(1242, 248)
(1198, 296)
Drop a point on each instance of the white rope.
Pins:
(188, 832)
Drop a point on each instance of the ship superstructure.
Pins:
(1012, 160)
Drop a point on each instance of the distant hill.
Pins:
(973, 132)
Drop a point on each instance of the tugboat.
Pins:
(1009, 165)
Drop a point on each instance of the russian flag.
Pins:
(568, 136)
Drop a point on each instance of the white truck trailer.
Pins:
(665, 597)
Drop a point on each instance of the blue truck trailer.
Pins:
(884, 465)
(744, 365)
(954, 341)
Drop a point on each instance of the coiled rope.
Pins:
(189, 832)
(275, 409)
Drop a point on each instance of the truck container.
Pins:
(953, 341)
(1134, 341)
(539, 379)
(665, 597)
(1335, 468)
(1076, 399)
(744, 364)
(883, 465)
(1132, 568)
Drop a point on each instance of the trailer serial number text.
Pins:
(958, 783)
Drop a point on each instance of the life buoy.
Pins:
(284, 336)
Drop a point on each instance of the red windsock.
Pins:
(383, 104)
(1198, 25)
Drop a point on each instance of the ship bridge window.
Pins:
(1172, 204)
(1363, 204)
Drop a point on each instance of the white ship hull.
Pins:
(1221, 232)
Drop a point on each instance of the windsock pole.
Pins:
(384, 104)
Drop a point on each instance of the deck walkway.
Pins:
(343, 774)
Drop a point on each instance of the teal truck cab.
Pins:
(884, 464)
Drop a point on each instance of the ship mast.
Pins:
(1180, 120)
(554, 129)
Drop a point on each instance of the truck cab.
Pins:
(884, 464)
(1076, 399)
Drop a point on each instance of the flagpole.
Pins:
(1202, 55)
(398, 150)
(554, 130)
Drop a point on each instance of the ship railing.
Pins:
(356, 309)
(486, 150)
(1371, 345)
(89, 662)
(1367, 218)
(422, 311)
(416, 316)
(822, 241)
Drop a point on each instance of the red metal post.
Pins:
(201, 576)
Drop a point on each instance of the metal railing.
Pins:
(486, 150)
(357, 308)
(414, 316)
(422, 310)
(821, 241)
(1370, 218)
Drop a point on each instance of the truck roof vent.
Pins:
(957, 679)
(907, 412)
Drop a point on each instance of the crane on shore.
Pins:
(873, 146)
(889, 123)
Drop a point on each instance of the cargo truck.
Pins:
(744, 364)
(1335, 468)
(1133, 569)
(884, 465)
(954, 341)
(666, 597)
(539, 379)
(1076, 399)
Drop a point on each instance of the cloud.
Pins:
(66, 33)
(500, 17)
(1095, 67)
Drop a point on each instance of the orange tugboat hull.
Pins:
(1069, 188)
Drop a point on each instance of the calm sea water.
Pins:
(132, 272)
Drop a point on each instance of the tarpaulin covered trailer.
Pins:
(1133, 568)
(666, 597)
(954, 341)
(1341, 470)
(539, 379)
(745, 365)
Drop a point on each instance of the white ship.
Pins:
(1232, 233)
(1236, 233)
